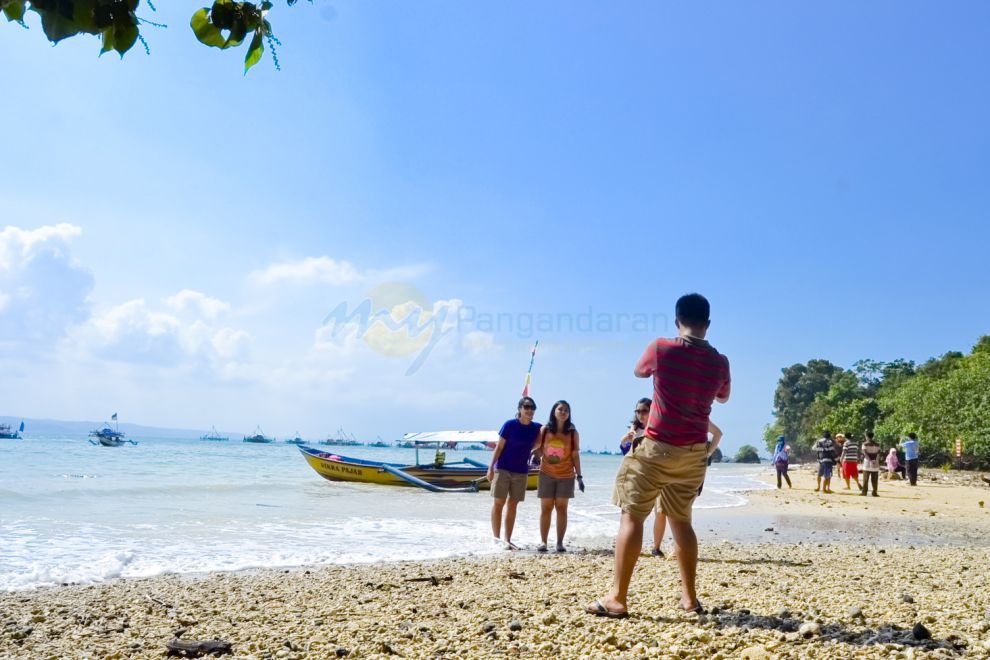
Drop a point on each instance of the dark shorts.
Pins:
(548, 487)
(825, 470)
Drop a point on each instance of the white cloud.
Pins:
(42, 289)
(326, 270)
(311, 270)
(478, 343)
(134, 332)
(197, 302)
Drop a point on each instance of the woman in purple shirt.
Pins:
(509, 469)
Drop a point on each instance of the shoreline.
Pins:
(851, 594)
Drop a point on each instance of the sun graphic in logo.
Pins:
(411, 317)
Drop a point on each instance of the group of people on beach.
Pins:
(667, 451)
(852, 459)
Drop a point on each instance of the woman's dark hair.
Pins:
(522, 402)
(635, 420)
(552, 424)
(869, 435)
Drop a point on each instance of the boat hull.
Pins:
(341, 468)
(9, 436)
(111, 442)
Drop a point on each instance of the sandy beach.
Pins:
(877, 584)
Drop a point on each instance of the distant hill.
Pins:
(61, 427)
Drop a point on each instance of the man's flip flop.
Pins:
(697, 609)
(598, 609)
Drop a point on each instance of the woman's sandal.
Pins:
(598, 609)
(697, 609)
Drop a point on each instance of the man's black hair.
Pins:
(869, 435)
(693, 310)
(826, 433)
(913, 435)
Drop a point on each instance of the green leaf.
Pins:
(56, 25)
(124, 37)
(254, 52)
(14, 11)
(205, 31)
(107, 40)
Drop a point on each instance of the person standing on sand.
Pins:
(871, 464)
(825, 446)
(637, 427)
(688, 375)
(850, 461)
(894, 464)
(660, 521)
(560, 448)
(509, 469)
(781, 461)
(910, 445)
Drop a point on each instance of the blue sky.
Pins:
(820, 173)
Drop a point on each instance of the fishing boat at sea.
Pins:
(6, 433)
(295, 440)
(110, 437)
(436, 475)
(259, 438)
(214, 436)
(341, 439)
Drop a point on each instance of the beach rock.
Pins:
(549, 619)
(515, 625)
(487, 627)
(783, 613)
(920, 632)
(341, 652)
(855, 613)
(906, 598)
(757, 652)
(809, 629)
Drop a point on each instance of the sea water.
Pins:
(71, 512)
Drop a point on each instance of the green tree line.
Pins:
(942, 400)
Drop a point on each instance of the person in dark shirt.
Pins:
(509, 469)
(827, 452)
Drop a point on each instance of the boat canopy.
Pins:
(431, 438)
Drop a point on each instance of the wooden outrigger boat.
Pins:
(438, 475)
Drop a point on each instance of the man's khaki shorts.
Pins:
(510, 485)
(657, 469)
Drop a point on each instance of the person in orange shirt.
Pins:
(559, 446)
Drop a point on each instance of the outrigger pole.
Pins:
(529, 372)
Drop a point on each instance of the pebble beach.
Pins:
(791, 596)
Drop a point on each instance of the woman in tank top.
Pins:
(559, 448)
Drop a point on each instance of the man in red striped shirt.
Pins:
(688, 375)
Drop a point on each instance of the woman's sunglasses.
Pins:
(642, 411)
(528, 407)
